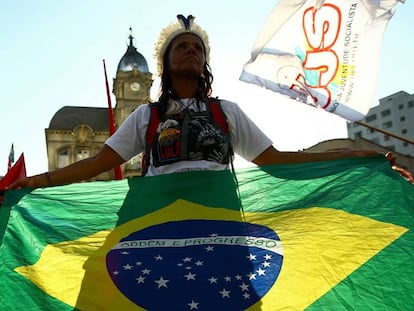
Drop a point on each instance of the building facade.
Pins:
(394, 115)
(403, 161)
(76, 132)
(387, 127)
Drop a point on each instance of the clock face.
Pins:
(135, 86)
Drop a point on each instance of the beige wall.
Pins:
(58, 140)
(404, 161)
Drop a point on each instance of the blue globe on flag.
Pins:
(196, 265)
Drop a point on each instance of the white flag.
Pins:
(323, 53)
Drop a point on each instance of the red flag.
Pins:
(17, 171)
(112, 127)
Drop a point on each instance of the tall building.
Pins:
(77, 132)
(394, 115)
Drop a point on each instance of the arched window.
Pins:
(63, 157)
(82, 153)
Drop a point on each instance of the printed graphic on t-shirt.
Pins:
(195, 137)
(169, 141)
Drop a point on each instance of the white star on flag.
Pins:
(251, 257)
(161, 282)
(261, 271)
(244, 287)
(193, 305)
(225, 293)
(146, 271)
(190, 276)
(140, 279)
(212, 280)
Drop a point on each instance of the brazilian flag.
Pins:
(333, 235)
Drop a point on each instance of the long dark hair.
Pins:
(204, 83)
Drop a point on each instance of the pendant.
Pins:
(173, 107)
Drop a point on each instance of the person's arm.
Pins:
(273, 156)
(106, 159)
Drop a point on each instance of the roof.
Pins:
(133, 59)
(68, 117)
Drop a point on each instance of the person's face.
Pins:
(186, 56)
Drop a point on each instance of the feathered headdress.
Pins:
(183, 25)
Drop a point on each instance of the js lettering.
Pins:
(321, 28)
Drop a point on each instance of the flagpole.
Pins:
(112, 127)
(385, 132)
(11, 158)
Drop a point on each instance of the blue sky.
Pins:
(52, 50)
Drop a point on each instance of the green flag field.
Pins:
(333, 235)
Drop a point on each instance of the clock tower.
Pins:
(77, 132)
(132, 83)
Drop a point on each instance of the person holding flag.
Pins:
(181, 132)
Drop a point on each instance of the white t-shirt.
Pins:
(247, 139)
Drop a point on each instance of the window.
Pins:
(401, 106)
(386, 137)
(371, 118)
(410, 104)
(404, 131)
(387, 125)
(405, 144)
(63, 158)
(82, 154)
(385, 113)
(358, 134)
(402, 119)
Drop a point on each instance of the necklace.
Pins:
(175, 106)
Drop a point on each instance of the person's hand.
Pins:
(36, 181)
(391, 158)
(403, 172)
